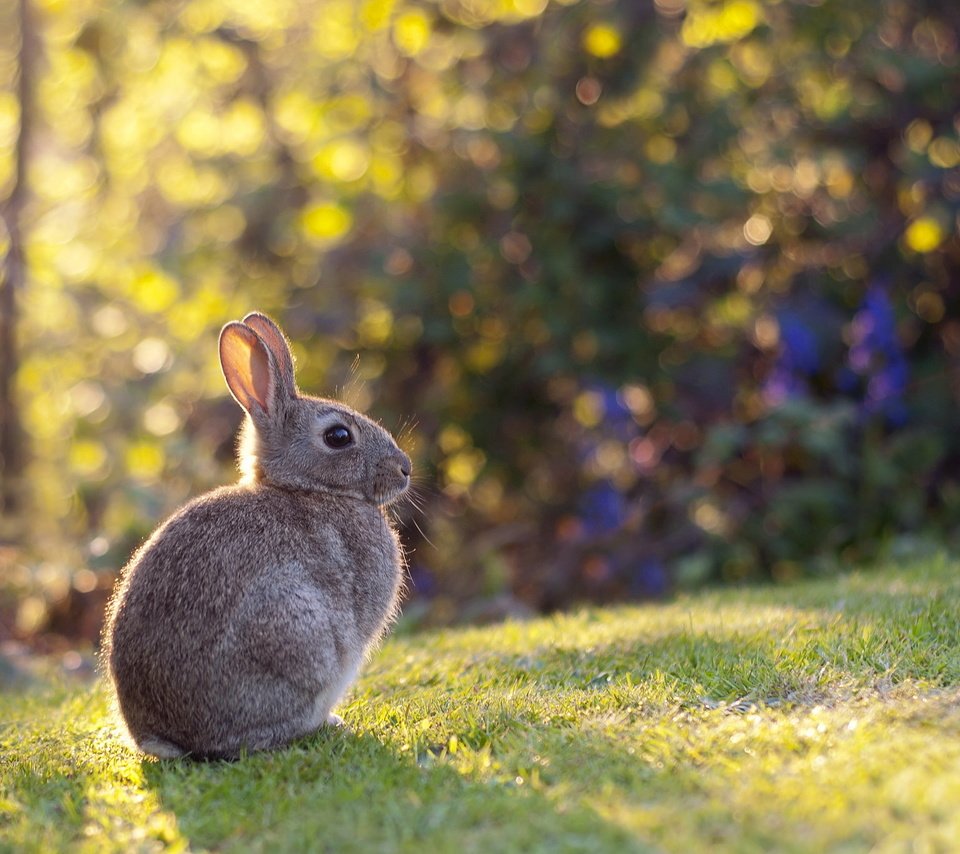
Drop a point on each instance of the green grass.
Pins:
(819, 716)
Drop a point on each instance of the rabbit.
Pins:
(245, 617)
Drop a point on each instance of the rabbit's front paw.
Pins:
(334, 720)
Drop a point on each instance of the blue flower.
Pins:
(877, 359)
(602, 508)
(783, 384)
(615, 411)
(799, 348)
(798, 359)
(649, 578)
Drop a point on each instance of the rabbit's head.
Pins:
(296, 441)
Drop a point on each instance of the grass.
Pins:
(818, 716)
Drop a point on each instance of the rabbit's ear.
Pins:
(249, 369)
(274, 338)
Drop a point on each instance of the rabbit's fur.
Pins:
(243, 619)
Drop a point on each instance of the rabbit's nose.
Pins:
(405, 465)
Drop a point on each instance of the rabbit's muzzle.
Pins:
(393, 478)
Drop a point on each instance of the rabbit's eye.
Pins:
(337, 436)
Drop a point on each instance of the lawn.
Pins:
(822, 715)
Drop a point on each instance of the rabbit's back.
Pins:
(244, 617)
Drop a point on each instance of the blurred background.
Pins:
(657, 294)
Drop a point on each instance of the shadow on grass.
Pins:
(341, 791)
(781, 644)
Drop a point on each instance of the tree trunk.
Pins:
(13, 280)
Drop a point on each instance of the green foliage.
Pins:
(814, 716)
(664, 285)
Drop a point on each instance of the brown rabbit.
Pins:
(243, 619)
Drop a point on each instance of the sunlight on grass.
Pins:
(819, 715)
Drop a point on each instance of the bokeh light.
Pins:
(664, 292)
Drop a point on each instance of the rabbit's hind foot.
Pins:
(160, 747)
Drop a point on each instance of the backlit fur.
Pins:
(244, 618)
